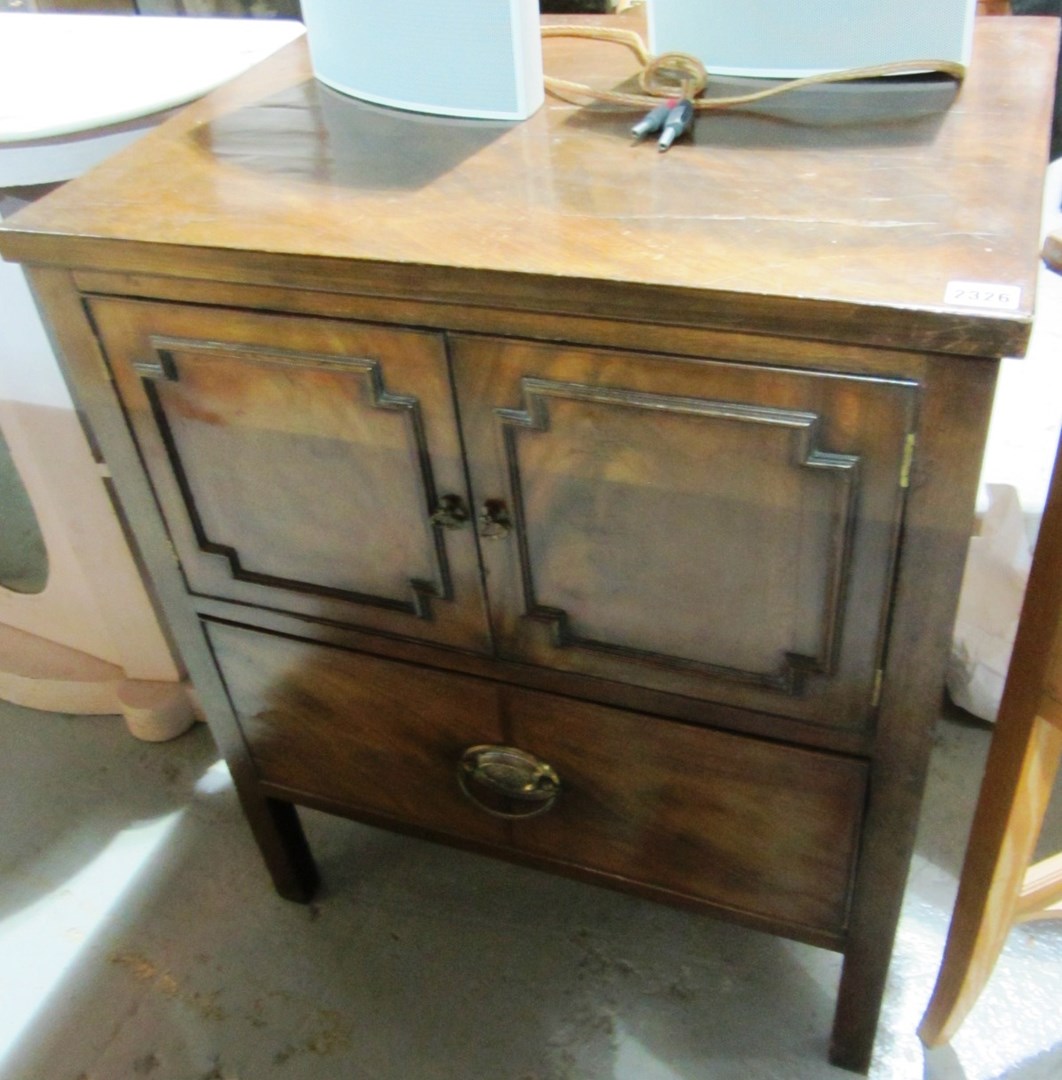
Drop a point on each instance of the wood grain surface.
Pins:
(724, 531)
(842, 212)
(745, 824)
(589, 334)
(300, 462)
(737, 823)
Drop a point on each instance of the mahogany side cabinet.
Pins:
(586, 506)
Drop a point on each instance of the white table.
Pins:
(73, 90)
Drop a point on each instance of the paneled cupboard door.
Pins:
(719, 530)
(307, 465)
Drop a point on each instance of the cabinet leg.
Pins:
(863, 979)
(287, 855)
(859, 999)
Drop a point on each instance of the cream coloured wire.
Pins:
(689, 76)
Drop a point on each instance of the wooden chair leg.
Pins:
(1041, 895)
(1010, 812)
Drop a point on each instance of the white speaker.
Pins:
(784, 39)
(474, 58)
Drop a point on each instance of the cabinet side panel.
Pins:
(275, 826)
(937, 529)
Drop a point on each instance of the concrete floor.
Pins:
(139, 937)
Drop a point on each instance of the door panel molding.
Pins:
(711, 528)
(805, 452)
(304, 465)
(166, 368)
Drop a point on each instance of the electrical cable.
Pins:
(679, 75)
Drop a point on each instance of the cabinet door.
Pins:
(718, 530)
(299, 462)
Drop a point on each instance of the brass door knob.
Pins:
(494, 520)
(492, 777)
(451, 513)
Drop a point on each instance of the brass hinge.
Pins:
(908, 458)
(875, 697)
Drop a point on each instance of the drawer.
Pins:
(359, 733)
(763, 831)
(752, 826)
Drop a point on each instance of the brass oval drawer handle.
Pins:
(510, 773)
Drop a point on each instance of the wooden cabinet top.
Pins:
(844, 213)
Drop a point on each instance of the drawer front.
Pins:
(358, 732)
(754, 828)
(751, 826)
(299, 463)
